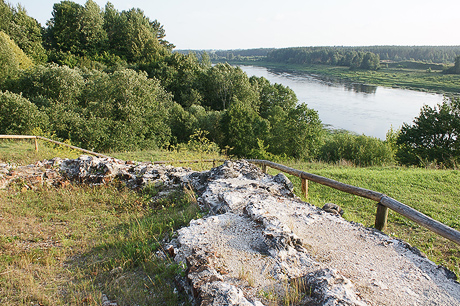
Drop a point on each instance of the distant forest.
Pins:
(367, 58)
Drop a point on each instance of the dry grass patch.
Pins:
(72, 245)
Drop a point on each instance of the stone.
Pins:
(333, 209)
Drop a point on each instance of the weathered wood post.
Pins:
(381, 217)
(36, 144)
(305, 187)
(264, 168)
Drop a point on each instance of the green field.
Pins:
(71, 245)
(415, 79)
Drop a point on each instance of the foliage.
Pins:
(182, 124)
(75, 28)
(58, 84)
(98, 96)
(433, 137)
(19, 115)
(12, 58)
(222, 84)
(360, 150)
(350, 57)
(242, 127)
(180, 75)
(98, 110)
(129, 107)
(273, 95)
(296, 132)
(200, 143)
(24, 30)
(456, 68)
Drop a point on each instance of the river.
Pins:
(368, 110)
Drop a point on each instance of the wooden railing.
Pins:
(213, 161)
(52, 141)
(384, 202)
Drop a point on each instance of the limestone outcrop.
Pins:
(261, 245)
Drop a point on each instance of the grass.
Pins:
(432, 192)
(72, 245)
(414, 79)
(23, 152)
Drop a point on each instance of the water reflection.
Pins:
(361, 88)
(354, 107)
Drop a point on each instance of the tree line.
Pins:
(108, 80)
(355, 59)
(325, 55)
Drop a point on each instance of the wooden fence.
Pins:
(52, 141)
(213, 161)
(384, 202)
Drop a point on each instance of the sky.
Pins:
(246, 24)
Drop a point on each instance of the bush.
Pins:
(12, 58)
(360, 150)
(58, 83)
(19, 115)
(433, 137)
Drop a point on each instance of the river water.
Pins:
(368, 110)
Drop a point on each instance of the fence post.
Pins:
(381, 217)
(36, 144)
(305, 187)
(264, 168)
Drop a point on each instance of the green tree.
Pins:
(222, 84)
(19, 115)
(24, 30)
(64, 28)
(93, 37)
(77, 29)
(273, 95)
(132, 36)
(304, 133)
(242, 128)
(433, 136)
(182, 124)
(27, 34)
(59, 84)
(179, 74)
(130, 107)
(12, 59)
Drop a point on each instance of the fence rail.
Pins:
(213, 161)
(52, 141)
(384, 202)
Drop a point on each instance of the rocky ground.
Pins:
(260, 245)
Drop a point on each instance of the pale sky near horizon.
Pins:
(245, 24)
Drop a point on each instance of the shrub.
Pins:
(58, 83)
(12, 58)
(18, 115)
(360, 150)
